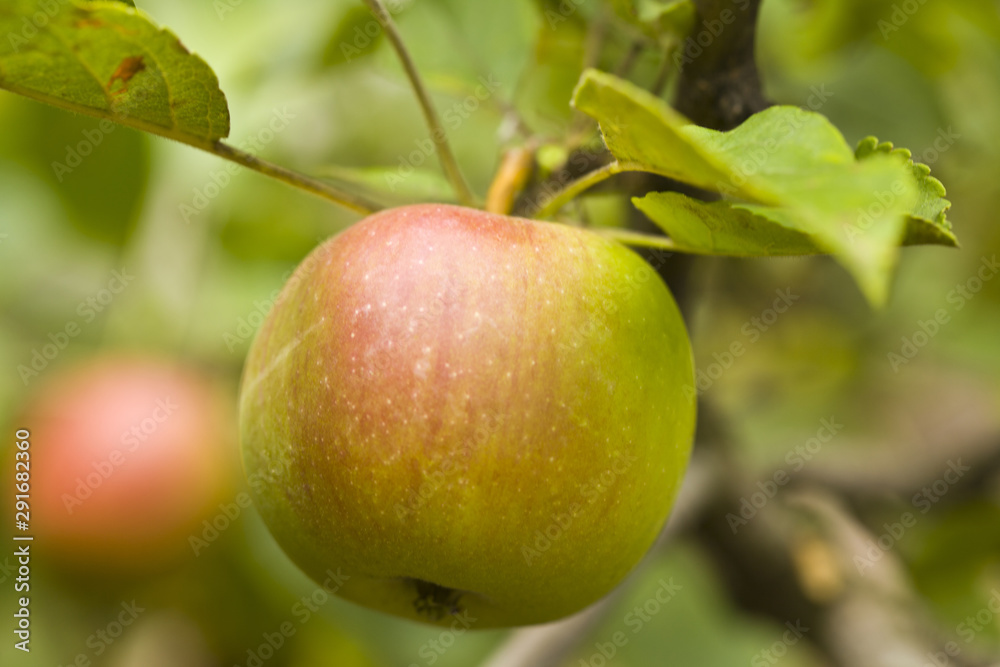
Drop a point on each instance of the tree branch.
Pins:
(804, 558)
(293, 178)
(719, 85)
(438, 135)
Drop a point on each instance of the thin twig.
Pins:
(319, 188)
(551, 644)
(625, 66)
(438, 135)
(597, 35)
(666, 68)
(562, 197)
(217, 148)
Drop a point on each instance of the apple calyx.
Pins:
(435, 601)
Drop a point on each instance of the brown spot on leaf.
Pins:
(128, 68)
(89, 22)
(122, 30)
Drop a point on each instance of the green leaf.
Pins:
(719, 228)
(755, 162)
(643, 132)
(356, 34)
(784, 167)
(676, 18)
(74, 155)
(556, 63)
(658, 18)
(108, 60)
(822, 28)
(927, 223)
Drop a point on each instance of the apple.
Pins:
(129, 455)
(460, 417)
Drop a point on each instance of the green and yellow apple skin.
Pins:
(456, 412)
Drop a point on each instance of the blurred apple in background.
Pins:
(129, 455)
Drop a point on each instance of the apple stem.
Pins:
(438, 134)
(293, 178)
(666, 68)
(564, 196)
(515, 167)
(625, 66)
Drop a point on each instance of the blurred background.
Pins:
(134, 272)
